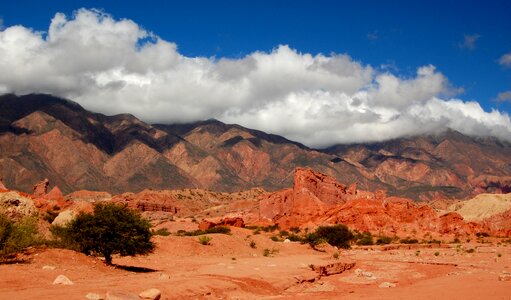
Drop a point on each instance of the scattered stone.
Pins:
(49, 267)
(387, 285)
(118, 295)
(152, 294)
(63, 280)
(93, 296)
(164, 276)
(505, 277)
(287, 241)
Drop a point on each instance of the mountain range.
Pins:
(42, 136)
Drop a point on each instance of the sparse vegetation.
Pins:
(471, 250)
(364, 239)
(110, 229)
(337, 235)
(253, 244)
(217, 229)
(205, 240)
(437, 253)
(274, 238)
(267, 252)
(384, 240)
(417, 253)
(17, 236)
(336, 255)
(408, 241)
(161, 232)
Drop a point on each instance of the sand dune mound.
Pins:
(483, 206)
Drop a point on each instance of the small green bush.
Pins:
(364, 239)
(295, 229)
(217, 229)
(294, 238)
(471, 250)
(266, 252)
(384, 240)
(205, 240)
(409, 241)
(253, 244)
(437, 253)
(162, 232)
(336, 255)
(274, 238)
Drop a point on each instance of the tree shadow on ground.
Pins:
(134, 269)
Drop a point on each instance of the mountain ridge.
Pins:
(45, 136)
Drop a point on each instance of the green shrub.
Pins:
(384, 240)
(219, 229)
(437, 253)
(294, 238)
(337, 235)
(471, 250)
(110, 229)
(162, 231)
(266, 252)
(274, 238)
(295, 229)
(336, 255)
(205, 240)
(253, 245)
(364, 239)
(409, 241)
(16, 236)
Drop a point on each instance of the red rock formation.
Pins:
(41, 188)
(227, 221)
(2, 186)
(317, 199)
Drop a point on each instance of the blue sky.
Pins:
(464, 40)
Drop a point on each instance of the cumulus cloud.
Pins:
(469, 41)
(505, 60)
(115, 66)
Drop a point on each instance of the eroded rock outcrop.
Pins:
(317, 199)
(41, 188)
(227, 221)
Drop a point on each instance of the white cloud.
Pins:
(115, 66)
(505, 60)
(469, 41)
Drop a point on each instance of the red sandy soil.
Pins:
(229, 268)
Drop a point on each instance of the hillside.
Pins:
(47, 137)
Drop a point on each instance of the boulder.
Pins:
(93, 296)
(16, 206)
(152, 294)
(62, 280)
(64, 217)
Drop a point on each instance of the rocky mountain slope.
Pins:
(47, 137)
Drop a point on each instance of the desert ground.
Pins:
(229, 268)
